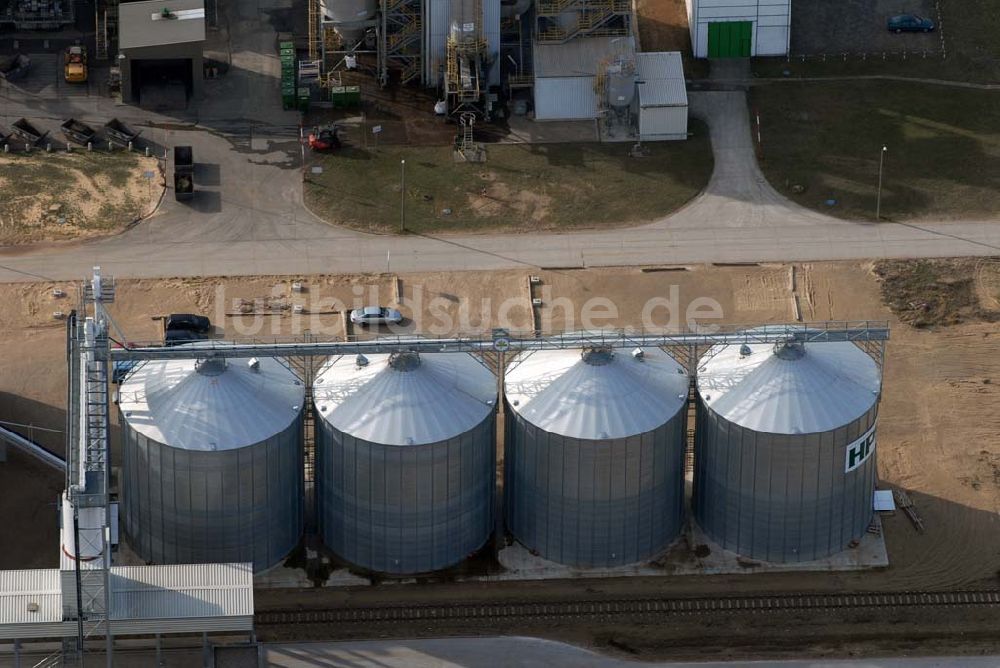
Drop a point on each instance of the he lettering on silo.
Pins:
(860, 450)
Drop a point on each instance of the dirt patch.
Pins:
(988, 284)
(663, 25)
(497, 198)
(926, 293)
(59, 196)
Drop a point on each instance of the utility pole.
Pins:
(878, 198)
(402, 196)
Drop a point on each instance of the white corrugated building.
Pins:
(566, 76)
(193, 598)
(739, 28)
(662, 96)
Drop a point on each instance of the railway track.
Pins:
(625, 607)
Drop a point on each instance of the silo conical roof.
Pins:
(597, 394)
(405, 398)
(789, 388)
(210, 405)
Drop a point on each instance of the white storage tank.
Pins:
(785, 464)
(405, 459)
(350, 15)
(212, 460)
(594, 458)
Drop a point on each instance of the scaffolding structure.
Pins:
(30, 15)
(467, 61)
(400, 40)
(558, 21)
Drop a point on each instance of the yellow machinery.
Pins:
(75, 64)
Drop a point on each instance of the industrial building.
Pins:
(594, 459)
(405, 459)
(212, 461)
(202, 598)
(566, 76)
(726, 29)
(160, 50)
(661, 96)
(785, 465)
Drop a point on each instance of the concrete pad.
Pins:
(500, 652)
(526, 131)
(681, 559)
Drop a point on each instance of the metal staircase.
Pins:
(400, 40)
(106, 25)
(315, 36)
(468, 120)
(593, 18)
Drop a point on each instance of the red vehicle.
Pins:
(324, 138)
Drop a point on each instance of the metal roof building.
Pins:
(212, 460)
(785, 462)
(566, 76)
(154, 45)
(405, 453)
(144, 600)
(662, 94)
(594, 457)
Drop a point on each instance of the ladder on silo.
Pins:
(692, 422)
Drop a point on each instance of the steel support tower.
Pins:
(400, 40)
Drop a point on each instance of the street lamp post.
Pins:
(402, 196)
(878, 198)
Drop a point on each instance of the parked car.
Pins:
(909, 23)
(175, 337)
(376, 315)
(189, 322)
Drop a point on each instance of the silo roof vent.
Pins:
(211, 366)
(597, 356)
(404, 361)
(788, 350)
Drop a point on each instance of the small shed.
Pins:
(160, 49)
(662, 96)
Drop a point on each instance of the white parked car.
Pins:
(376, 315)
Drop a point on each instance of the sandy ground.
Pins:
(53, 197)
(938, 422)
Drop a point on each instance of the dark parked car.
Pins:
(189, 322)
(176, 337)
(909, 23)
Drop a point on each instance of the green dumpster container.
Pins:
(337, 96)
(353, 95)
(304, 99)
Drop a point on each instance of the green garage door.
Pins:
(730, 39)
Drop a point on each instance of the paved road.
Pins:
(248, 217)
(535, 653)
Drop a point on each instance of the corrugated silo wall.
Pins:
(781, 498)
(591, 503)
(183, 506)
(406, 509)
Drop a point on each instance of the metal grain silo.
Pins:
(212, 461)
(784, 455)
(405, 459)
(594, 458)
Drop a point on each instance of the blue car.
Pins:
(909, 23)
